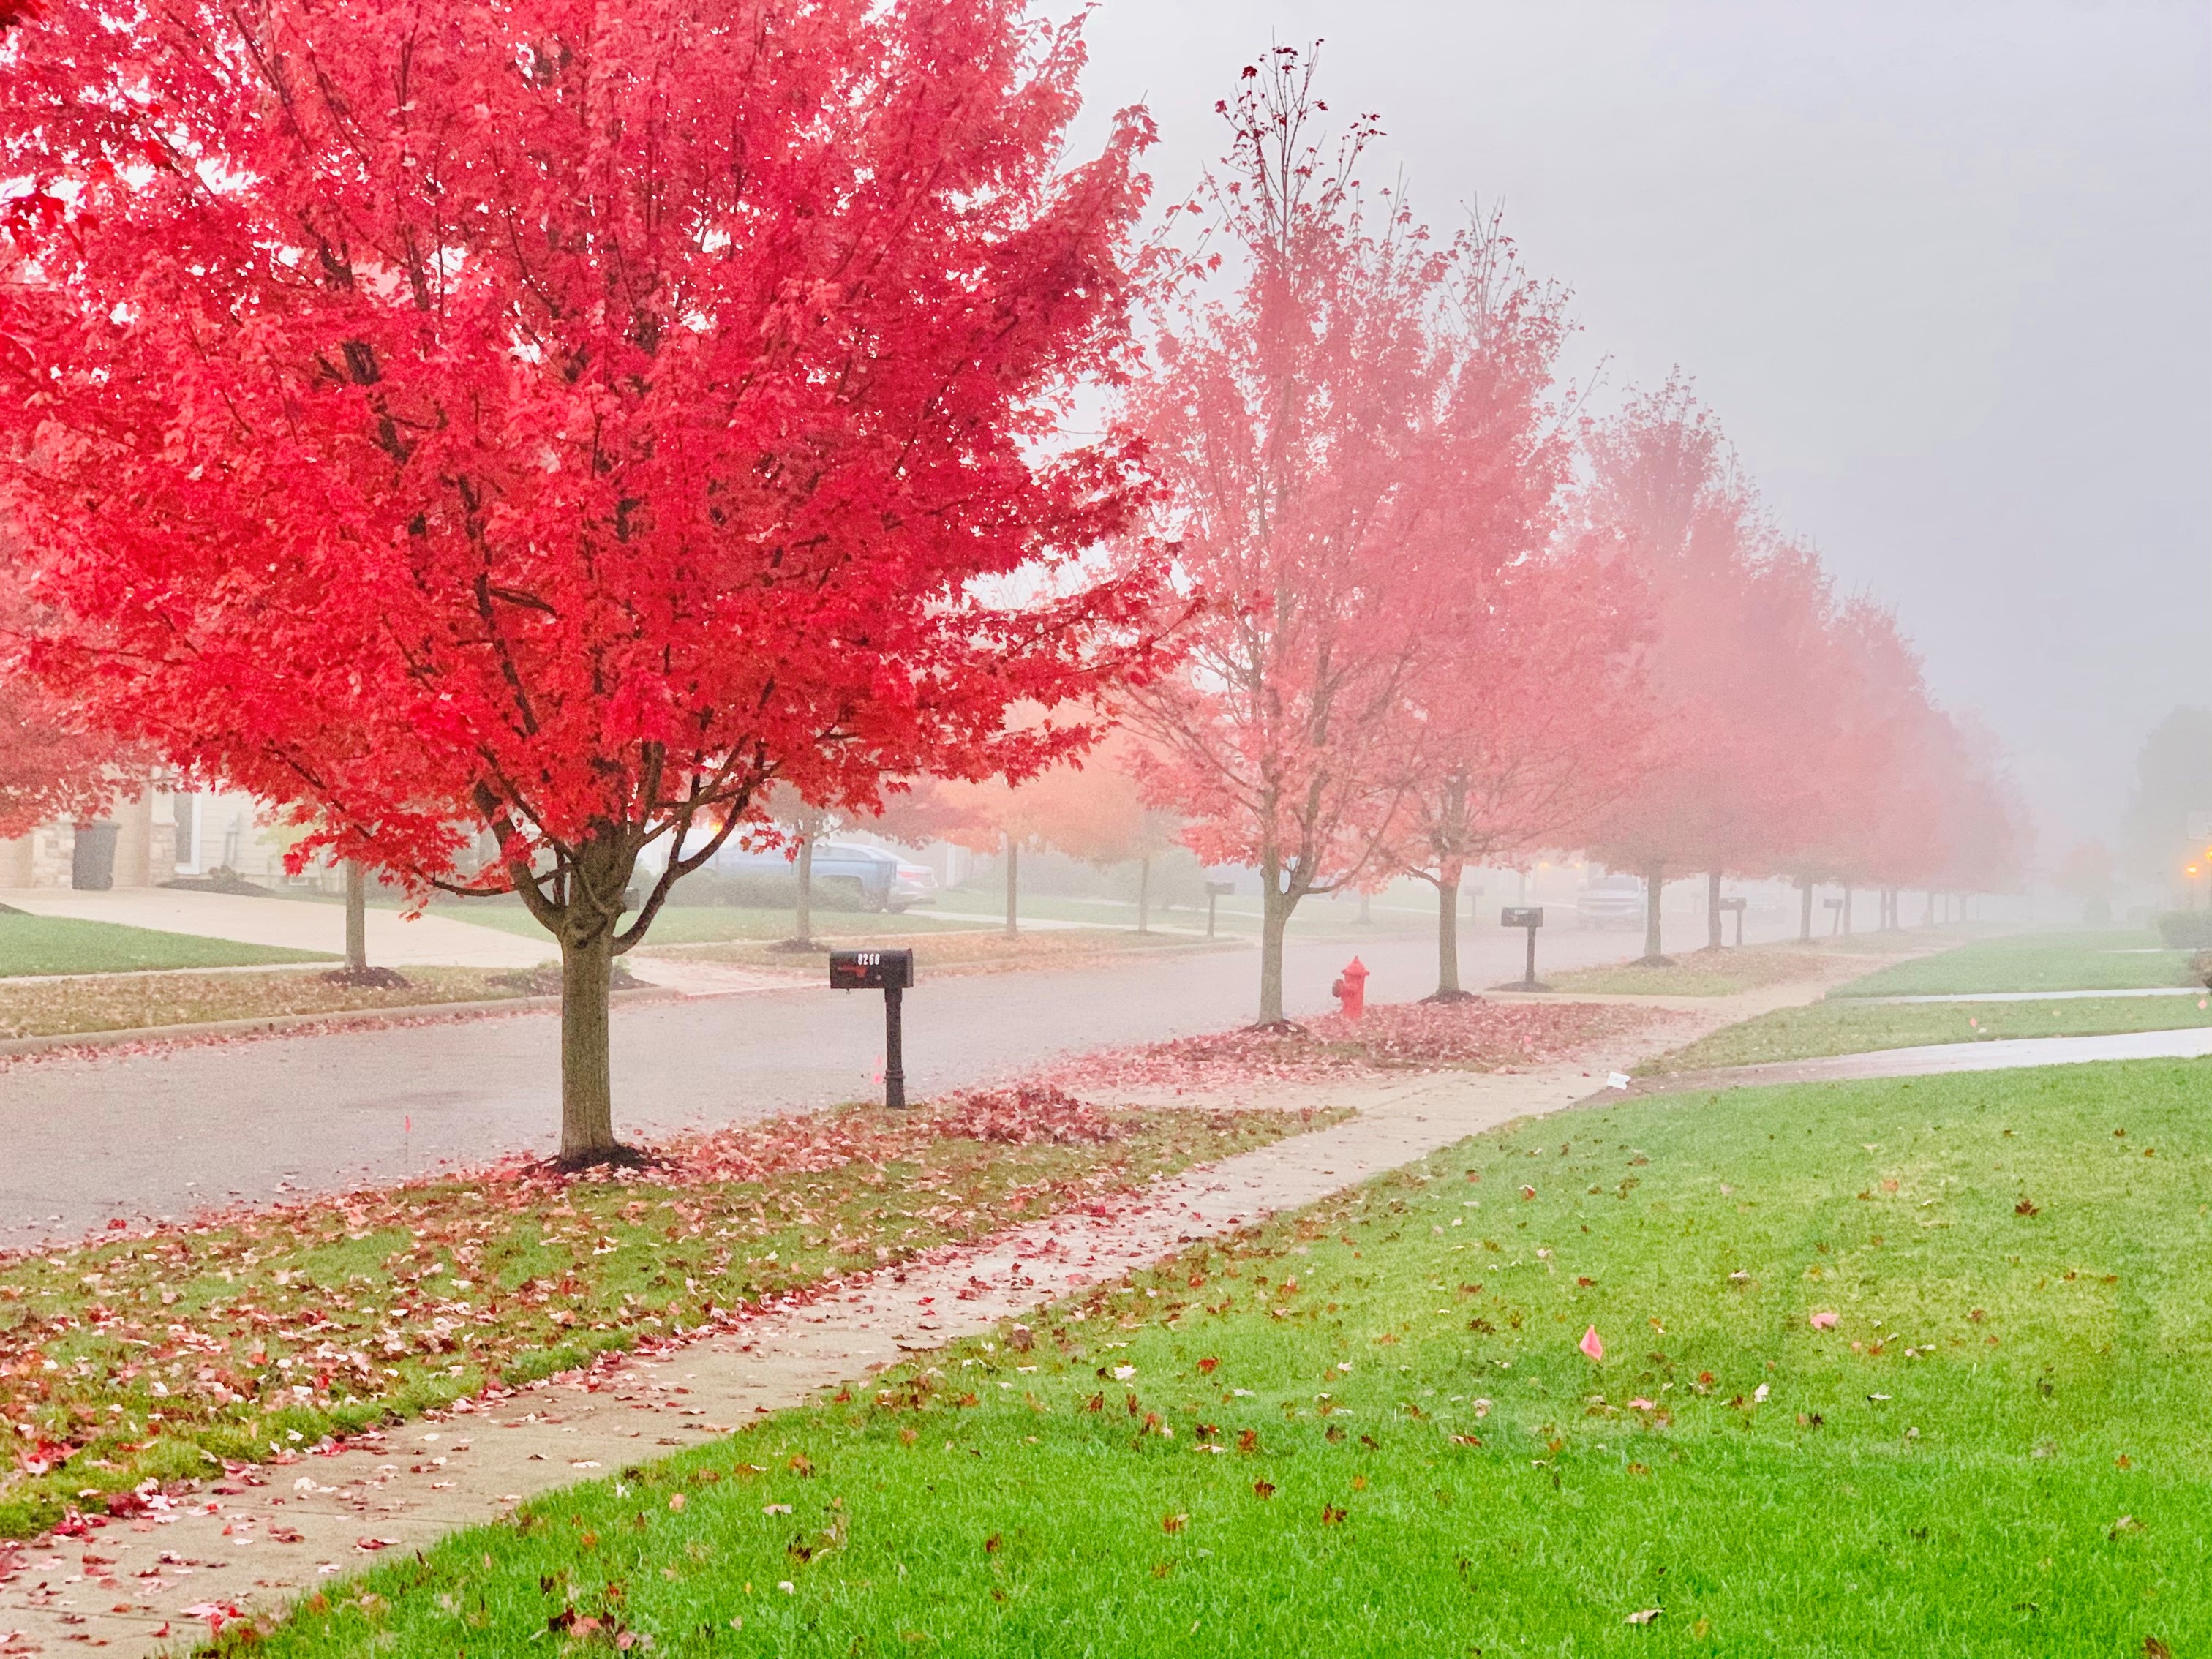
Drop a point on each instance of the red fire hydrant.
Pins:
(1351, 989)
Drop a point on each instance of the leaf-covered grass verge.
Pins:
(1699, 973)
(694, 924)
(142, 1001)
(156, 1354)
(1897, 1368)
(2076, 960)
(61, 944)
(1849, 1028)
(951, 950)
(1476, 1035)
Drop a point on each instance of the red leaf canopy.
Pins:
(571, 416)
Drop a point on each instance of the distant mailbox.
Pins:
(1527, 915)
(872, 970)
(1216, 890)
(1734, 904)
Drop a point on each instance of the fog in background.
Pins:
(1943, 270)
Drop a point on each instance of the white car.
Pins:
(1611, 902)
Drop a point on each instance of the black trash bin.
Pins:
(91, 861)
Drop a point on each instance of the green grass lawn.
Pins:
(2076, 960)
(1697, 974)
(1849, 1028)
(58, 944)
(149, 1355)
(1899, 1368)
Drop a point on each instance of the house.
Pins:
(134, 845)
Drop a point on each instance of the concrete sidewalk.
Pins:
(296, 924)
(1945, 1059)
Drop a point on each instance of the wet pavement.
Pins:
(2028, 996)
(1939, 1059)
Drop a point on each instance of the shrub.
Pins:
(2186, 930)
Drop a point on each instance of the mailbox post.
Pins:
(1738, 906)
(1215, 890)
(1530, 916)
(891, 972)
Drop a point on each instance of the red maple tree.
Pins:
(1293, 423)
(1739, 623)
(1537, 723)
(565, 421)
(1526, 701)
(52, 764)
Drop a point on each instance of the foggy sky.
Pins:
(1944, 270)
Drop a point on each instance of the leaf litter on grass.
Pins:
(245, 1335)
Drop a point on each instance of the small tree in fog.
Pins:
(1526, 701)
(1738, 616)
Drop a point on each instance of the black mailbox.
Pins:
(1530, 916)
(1214, 890)
(872, 970)
(1739, 906)
(1734, 904)
(891, 972)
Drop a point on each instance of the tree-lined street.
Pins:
(160, 1133)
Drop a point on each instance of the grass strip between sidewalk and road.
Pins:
(977, 950)
(1903, 1367)
(707, 924)
(61, 944)
(1856, 1028)
(2077, 961)
(155, 1355)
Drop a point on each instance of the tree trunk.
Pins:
(1805, 911)
(1713, 910)
(1144, 894)
(587, 1107)
(1274, 917)
(1843, 914)
(356, 926)
(1366, 901)
(1655, 880)
(1448, 934)
(806, 909)
(1013, 887)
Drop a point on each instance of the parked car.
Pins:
(859, 876)
(1611, 902)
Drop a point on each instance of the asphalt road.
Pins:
(166, 1131)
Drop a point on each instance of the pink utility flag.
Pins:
(1592, 1345)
